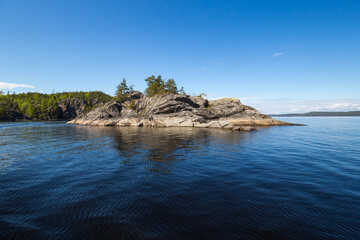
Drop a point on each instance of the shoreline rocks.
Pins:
(175, 110)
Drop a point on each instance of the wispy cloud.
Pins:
(204, 68)
(248, 98)
(9, 86)
(278, 54)
(293, 105)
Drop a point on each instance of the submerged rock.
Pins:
(175, 110)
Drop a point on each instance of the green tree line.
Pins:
(40, 106)
(44, 106)
(155, 86)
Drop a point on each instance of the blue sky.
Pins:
(278, 56)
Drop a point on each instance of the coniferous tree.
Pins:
(170, 86)
(182, 91)
(156, 86)
(121, 91)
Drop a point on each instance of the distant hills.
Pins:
(319, 114)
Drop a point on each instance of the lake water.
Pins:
(60, 181)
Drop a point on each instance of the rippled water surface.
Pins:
(60, 181)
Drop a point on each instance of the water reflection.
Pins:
(61, 181)
(161, 148)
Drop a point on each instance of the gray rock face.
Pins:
(72, 108)
(177, 110)
(108, 111)
(75, 107)
(136, 95)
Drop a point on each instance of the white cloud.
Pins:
(278, 54)
(9, 86)
(204, 68)
(293, 105)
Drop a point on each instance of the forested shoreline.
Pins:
(68, 105)
(39, 106)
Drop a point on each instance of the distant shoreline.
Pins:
(320, 114)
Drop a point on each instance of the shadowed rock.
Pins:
(72, 108)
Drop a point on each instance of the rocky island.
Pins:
(177, 110)
(161, 105)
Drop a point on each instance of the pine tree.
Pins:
(155, 86)
(182, 91)
(170, 86)
(121, 91)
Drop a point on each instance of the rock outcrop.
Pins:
(72, 108)
(175, 110)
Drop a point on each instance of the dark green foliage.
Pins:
(121, 91)
(2, 113)
(45, 106)
(156, 85)
(170, 86)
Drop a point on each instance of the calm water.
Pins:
(60, 181)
